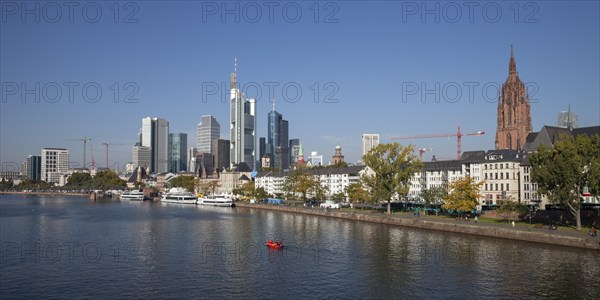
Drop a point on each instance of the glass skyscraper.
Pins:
(178, 152)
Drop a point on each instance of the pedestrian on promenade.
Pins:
(593, 232)
(475, 219)
(513, 224)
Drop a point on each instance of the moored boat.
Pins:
(216, 201)
(133, 195)
(179, 195)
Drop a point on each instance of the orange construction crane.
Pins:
(108, 144)
(458, 136)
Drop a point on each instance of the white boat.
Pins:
(216, 201)
(133, 195)
(179, 195)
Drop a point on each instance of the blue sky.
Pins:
(363, 57)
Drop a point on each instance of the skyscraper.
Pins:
(278, 140)
(55, 163)
(514, 111)
(209, 130)
(242, 125)
(369, 140)
(141, 157)
(294, 146)
(567, 119)
(33, 167)
(221, 154)
(155, 135)
(177, 152)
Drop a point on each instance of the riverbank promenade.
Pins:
(563, 236)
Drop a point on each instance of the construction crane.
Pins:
(108, 144)
(85, 139)
(458, 136)
(422, 150)
(92, 155)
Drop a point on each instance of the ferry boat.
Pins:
(216, 201)
(133, 195)
(179, 195)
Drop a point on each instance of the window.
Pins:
(507, 187)
(486, 176)
(496, 176)
(507, 165)
(496, 186)
(502, 186)
(500, 166)
(509, 177)
(486, 186)
(501, 175)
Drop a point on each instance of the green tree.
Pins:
(394, 166)
(260, 194)
(80, 181)
(463, 195)
(357, 193)
(318, 190)
(186, 182)
(299, 183)
(562, 172)
(434, 195)
(108, 180)
(511, 209)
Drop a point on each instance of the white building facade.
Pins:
(55, 163)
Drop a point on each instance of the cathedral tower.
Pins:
(514, 111)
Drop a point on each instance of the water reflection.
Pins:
(149, 250)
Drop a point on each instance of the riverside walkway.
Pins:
(524, 232)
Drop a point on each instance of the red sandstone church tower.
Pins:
(514, 112)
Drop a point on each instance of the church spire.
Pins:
(512, 66)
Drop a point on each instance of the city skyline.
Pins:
(557, 59)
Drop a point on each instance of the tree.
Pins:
(260, 194)
(80, 181)
(463, 195)
(394, 166)
(511, 209)
(299, 183)
(318, 190)
(208, 186)
(356, 192)
(186, 182)
(562, 172)
(434, 195)
(107, 180)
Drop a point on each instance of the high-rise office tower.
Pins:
(177, 152)
(141, 157)
(33, 168)
(369, 140)
(294, 146)
(221, 154)
(54, 163)
(209, 130)
(567, 119)
(242, 125)
(278, 139)
(155, 135)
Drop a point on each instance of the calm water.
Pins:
(67, 247)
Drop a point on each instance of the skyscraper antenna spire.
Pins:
(511, 51)
(235, 64)
(273, 103)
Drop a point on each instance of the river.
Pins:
(69, 247)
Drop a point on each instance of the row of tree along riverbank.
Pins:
(474, 229)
